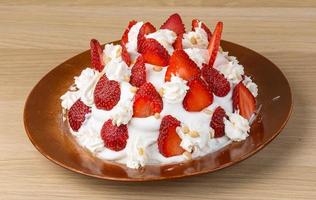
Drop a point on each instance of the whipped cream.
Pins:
(131, 45)
(112, 52)
(175, 90)
(199, 56)
(117, 70)
(69, 98)
(232, 71)
(165, 37)
(252, 87)
(237, 127)
(195, 39)
(122, 113)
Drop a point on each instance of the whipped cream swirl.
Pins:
(237, 127)
(199, 56)
(175, 90)
(195, 39)
(232, 71)
(111, 52)
(122, 112)
(165, 37)
(252, 87)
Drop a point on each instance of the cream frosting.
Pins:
(165, 37)
(237, 127)
(112, 52)
(117, 70)
(232, 71)
(175, 90)
(252, 87)
(131, 45)
(195, 39)
(199, 56)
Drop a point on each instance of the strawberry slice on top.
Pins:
(147, 101)
(168, 139)
(96, 55)
(198, 97)
(124, 39)
(154, 53)
(217, 122)
(214, 44)
(178, 42)
(195, 23)
(114, 137)
(215, 80)
(146, 29)
(138, 72)
(77, 114)
(125, 55)
(243, 101)
(174, 23)
(181, 65)
(107, 93)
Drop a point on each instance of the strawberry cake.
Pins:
(160, 96)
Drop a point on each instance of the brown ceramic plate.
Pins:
(47, 132)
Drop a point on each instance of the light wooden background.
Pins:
(37, 35)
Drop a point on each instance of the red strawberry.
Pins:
(106, 93)
(77, 114)
(216, 81)
(146, 29)
(138, 72)
(195, 23)
(96, 55)
(243, 101)
(124, 39)
(180, 64)
(217, 122)
(114, 137)
(178, 43)
(168, 139)
(147, 101)
(125, 56)
(174, 23)
(154, 53)
(198, 97)
(215, 41)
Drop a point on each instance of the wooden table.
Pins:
(35, 36)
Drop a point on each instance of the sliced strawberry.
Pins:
(243, 101)
(195, 23)
(174, 23)
(178, 43)
(77, 114)
(106, 93)
(146, 29)
(168, 139)
(124, 39)
(114, 137)
(198, 97)
(96, 55)
(154, 53)
(217, 122)
(147, 101)
(216, 81)
(138, 72)
(181, 65)
(214, 44)
(125, 56)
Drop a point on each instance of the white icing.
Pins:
(232, 71)
(69, 98)
(252, 87)
(237, 127)
(117, 70)
(175, 90)
(131, 45)
(112, 52)
(195, 39)
(199, 56)
(165, 37)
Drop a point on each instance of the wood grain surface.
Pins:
(37, 35)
